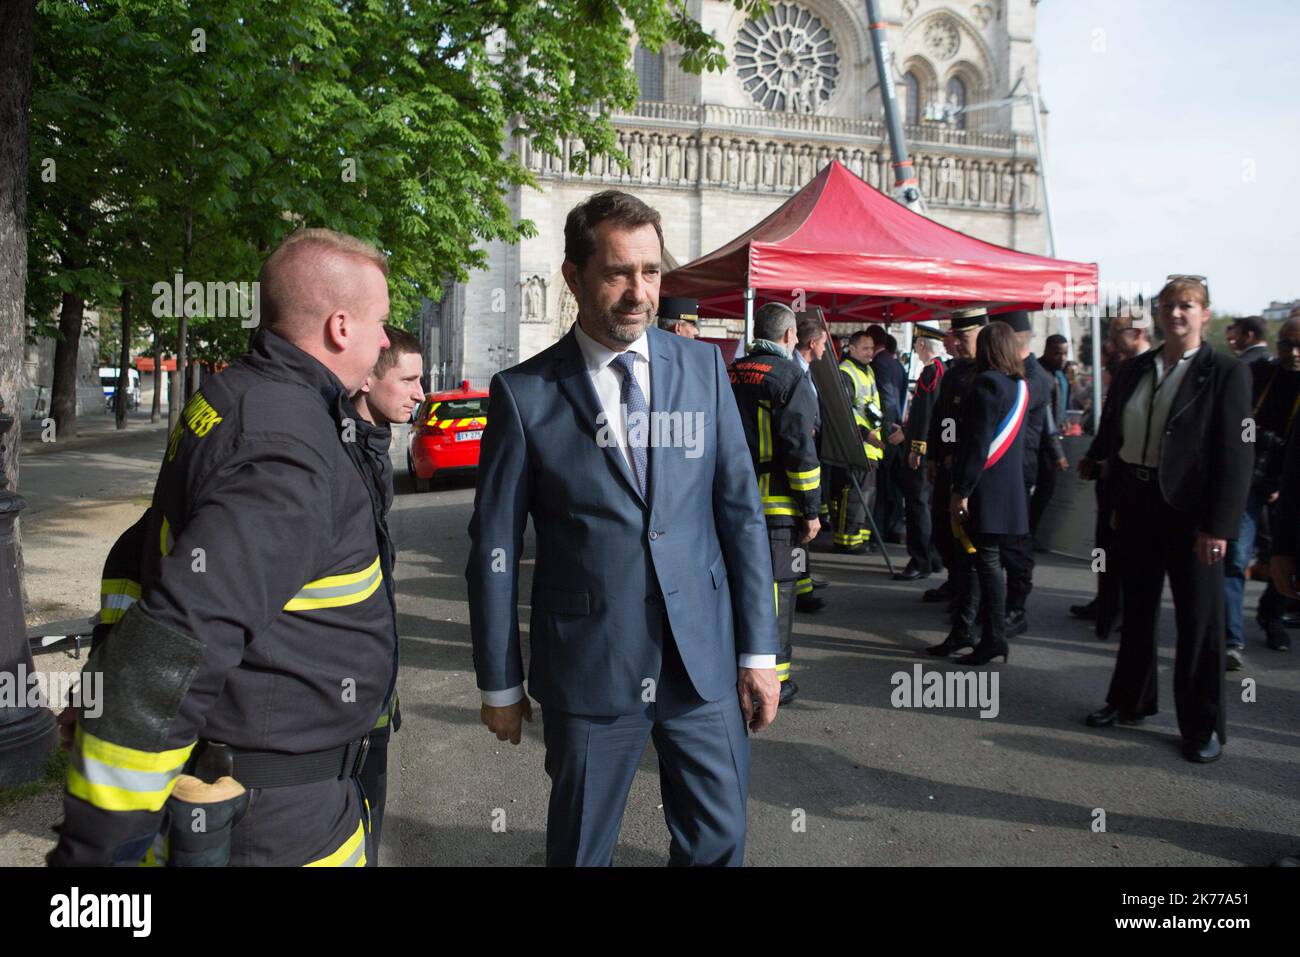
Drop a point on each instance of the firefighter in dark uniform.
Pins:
(941, 445)
(777, 410)
(811, 330)
(253, 640)
(851, 536)
(924, 558)
(390, 395)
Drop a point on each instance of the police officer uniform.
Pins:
(778, 410)
(252, 632)
(941, 446)
(850, 517)
(674, 309)
(917, 488)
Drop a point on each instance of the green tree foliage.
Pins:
(191, 136)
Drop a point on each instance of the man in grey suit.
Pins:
(652, 605)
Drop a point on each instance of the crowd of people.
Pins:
(248, 644)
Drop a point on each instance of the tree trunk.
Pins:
(63, 394)
(17, 22)
(124, 362)
(155, 412)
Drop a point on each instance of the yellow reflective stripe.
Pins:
(804, 481)
(782, 667)
(117, 778)
(335, 591)
(116, 595)
(764, 431)
(776, 596)
(165, 537)
(119, 586)
(351, 854)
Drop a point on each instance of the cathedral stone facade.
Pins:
(716, 153)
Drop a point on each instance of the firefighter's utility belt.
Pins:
(275, 769)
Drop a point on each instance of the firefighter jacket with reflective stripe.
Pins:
(778, 412)
(864, 398)
(252, 604)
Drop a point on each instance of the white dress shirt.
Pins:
(608, 383)
(1147, 411)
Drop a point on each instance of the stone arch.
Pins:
(977, 89)
(927, 77)
(951, 41)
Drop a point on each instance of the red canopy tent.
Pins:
(863, 257)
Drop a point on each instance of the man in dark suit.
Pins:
(652, 606)
(1178, 470)
(891, 380)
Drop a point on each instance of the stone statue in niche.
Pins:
(713, 169)
(957, 182)
(769, 166)
(973, 183)
(1007, 195)
(1028, 193)
(804, 168)
(787, 166)
(873, 170)
(855, 163)
(989, 189)
(926, 176)
(692, 160)
(942, 179)
(534, 299)
(654, 158)
(749, 173)
(566, 312)
(733, 163)
(673, 160)
(636, 153)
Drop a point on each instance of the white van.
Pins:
(108, 380)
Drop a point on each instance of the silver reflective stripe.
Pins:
(338, 591)
(355, 857)
(116, 601)
(139, 782)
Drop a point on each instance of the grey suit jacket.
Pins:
(610, 563)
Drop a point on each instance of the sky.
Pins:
(1173, 142)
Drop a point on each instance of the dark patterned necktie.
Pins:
(635, 401)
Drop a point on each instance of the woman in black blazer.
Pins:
(1178, 467)
(988, 491)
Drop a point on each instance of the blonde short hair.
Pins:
(276, 287)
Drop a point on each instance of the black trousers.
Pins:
(782, 539)
(1110, 586)
(940, 527)
(374, 786)
(917, 492)
(888, 509)
(1018, 559)
(850, 518)
(978, 585)
(1043, 489)
(1154, 540)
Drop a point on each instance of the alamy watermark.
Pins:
(946, 689)
(657, 430)
(38, 689)
(212, 300)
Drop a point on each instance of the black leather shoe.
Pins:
(985, 652)
(935, 595)
(1276, 637)
(1110, 715)
(820, 583)
(910, 574)
(809, 603)
(1087, 612)
(788, 690)
(954, 643)
(1211, 750)
(1017, 624)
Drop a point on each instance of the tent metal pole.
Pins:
(1096, 365)
(749, 316)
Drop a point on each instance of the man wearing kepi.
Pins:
(652, 607)
(778, 412)
(260, 651)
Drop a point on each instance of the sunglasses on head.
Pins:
(1205, 283)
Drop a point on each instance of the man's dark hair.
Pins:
(997, 347)
(808, 327)
(1252, 326)
(877, 333)
(400, 343)
(1056, 339)
(891, 345)
(610, 205)
(859, 335)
